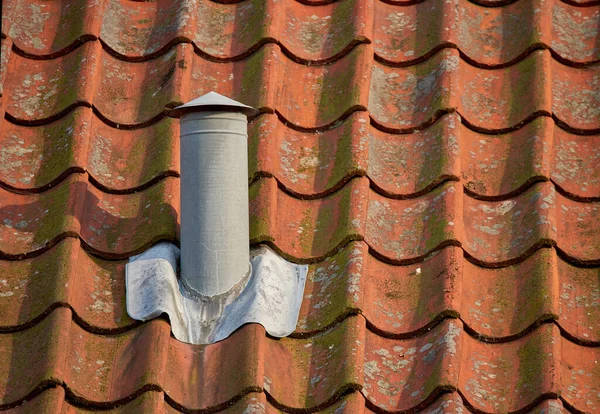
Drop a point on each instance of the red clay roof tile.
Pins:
(137, 31)
(53, 401)
(116, 160)
(34, 288)
(505, 307)
(392, 374)
(435, 163)
(112, 224)
(312, 164)
(6, 48)
(398, 99)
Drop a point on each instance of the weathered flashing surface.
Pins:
(271, 296)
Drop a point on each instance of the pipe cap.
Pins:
(213, 101)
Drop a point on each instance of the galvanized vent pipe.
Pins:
(214, 219)
(217, 291)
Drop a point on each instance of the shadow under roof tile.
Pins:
(35, 158)
(136, 30)
(37, 90)
(397, 301)
(486, 36)
(134, 93)
(65, 276)
(34, 356)
(41, 28)
(111, 224)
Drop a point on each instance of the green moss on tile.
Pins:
(336, 301)
(71, 25)
(307, 236)
(54, 213)
(254, 138)
(339, 90)
(532, 363)
(158, 89)
(259, 213)
(251, 91)
(334, 220)
(435, 229)
(343, 160)
(433, 379)
(40, 282)
(523, 81)
(67, 79)
(535, 295)
(214, 19)
(256, 28)
(59, 145)
(526, 169)
(144, 217)
(330, 348)
(152, 152)
(343, 24)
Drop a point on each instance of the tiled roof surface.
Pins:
(436, 163)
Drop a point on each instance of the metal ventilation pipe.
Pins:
(214, 219)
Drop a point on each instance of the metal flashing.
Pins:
(271, 296)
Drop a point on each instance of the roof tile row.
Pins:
(486, 36)
(113, 224)
(54, 400)
(494, 233)
(494, 304)
(398, 99)
(311, 164)
(33, 159)
(392, 374)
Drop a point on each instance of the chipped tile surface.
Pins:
(435, 163)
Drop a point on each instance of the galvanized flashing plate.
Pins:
(272, 296)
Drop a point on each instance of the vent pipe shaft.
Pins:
(214, 219)
(217, 291)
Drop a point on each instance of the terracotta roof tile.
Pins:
(6, 48)
(508, 305)
(496, 311)
(109, 223)
(392, 374)
(313, 164)
(219, 31)
(116, 160)
(398, 99)
(97, 301)
(435, 163)
(493, 233)
(53, 400)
